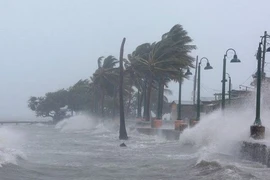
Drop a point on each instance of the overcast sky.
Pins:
(46, 45)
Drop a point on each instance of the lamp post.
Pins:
(234, 60)
(230, 87)
(207, 67)
(257, 131)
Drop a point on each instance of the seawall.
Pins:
(256, 151)
(168, 134)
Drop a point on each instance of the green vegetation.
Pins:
(147, 70)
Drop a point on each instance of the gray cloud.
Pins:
(48, 45)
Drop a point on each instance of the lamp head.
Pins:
(235, 59)
(188, 73)
(208, 66)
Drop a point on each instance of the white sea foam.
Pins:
(220, 133)
(11, 141)
(100, 128)
(76, 123)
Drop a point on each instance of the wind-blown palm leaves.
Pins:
(105, 79)
(105, 84)
(162, 60)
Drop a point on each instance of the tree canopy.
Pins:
(149, 68)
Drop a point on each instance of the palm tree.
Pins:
(159, 92)
(163, 60)
(133, 79)
(140, 80)
(155, 103)
(178, 36)
(122, 130)
(105, 78)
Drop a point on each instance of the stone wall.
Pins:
(257, 152)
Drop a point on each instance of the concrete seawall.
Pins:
(252, 151)
(168, 134)
(258, 152)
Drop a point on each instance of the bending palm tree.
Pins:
(163, 59)
(122, 130)
(105, 78)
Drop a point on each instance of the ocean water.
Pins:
(82, 149)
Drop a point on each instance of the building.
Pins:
(188, 110)
(208, 105)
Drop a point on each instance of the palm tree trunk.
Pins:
(96, 102)
(139, 109)
(160, 99)
(122, 130)
(129, 98)
(141, 101)
(144, 98)
(114, 99)
(102, 105)
(148, 98)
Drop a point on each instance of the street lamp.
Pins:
(230, 87)
(234, 60)
(188, 73)
(207, 67)
(257, 131)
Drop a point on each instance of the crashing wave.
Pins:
(76, 123)
(219, 134)
(10, 156)
(10, 143)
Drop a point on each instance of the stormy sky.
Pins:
(47, 45)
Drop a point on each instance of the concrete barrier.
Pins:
(156, 123)
(257, 152)
(180, 125)
(168, 134)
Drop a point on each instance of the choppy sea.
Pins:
(78, 149)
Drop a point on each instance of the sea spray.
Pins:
(11, 142)
(220, 132)
(100, 129)
(85, 122)
(218, 138)
(76, 123)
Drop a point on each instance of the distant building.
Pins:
(209, 104)
(188, 110)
